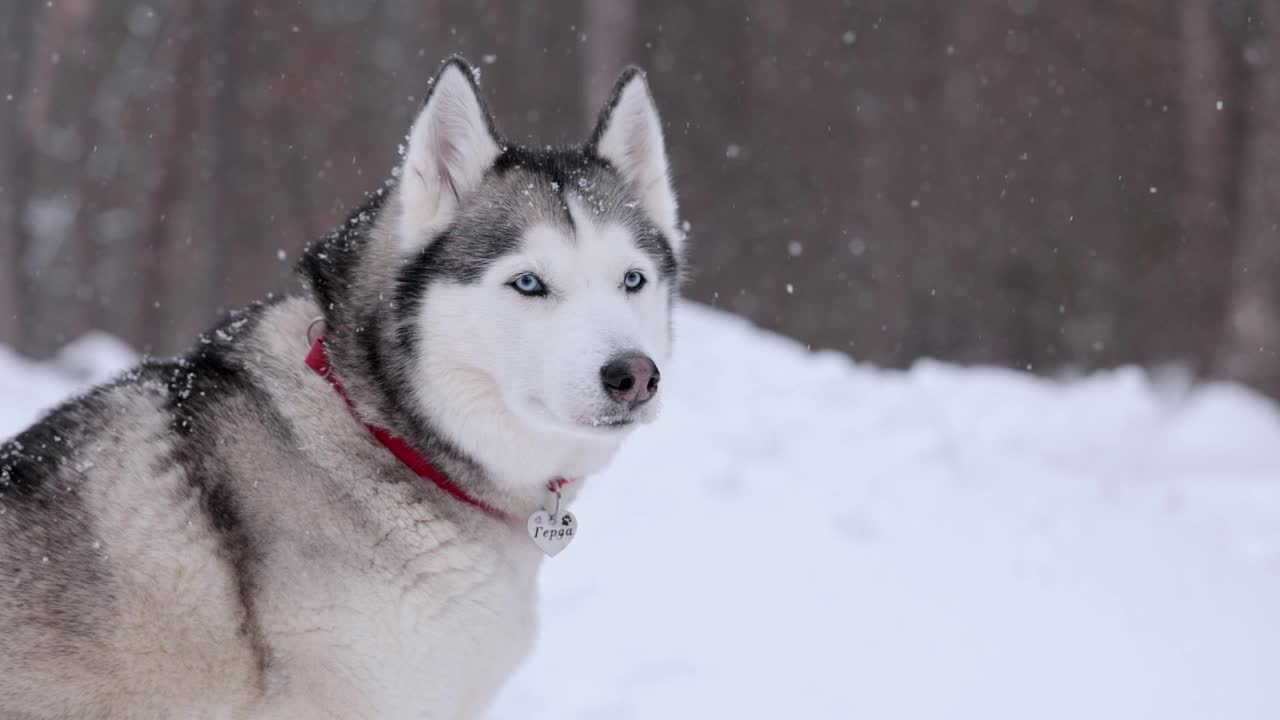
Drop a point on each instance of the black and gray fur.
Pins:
(156, 533)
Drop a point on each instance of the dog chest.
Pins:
(439, 630)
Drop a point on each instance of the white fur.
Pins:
(450, 147)
(530, 372)
(632, 142)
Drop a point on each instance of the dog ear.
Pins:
(629, 136)
(451, 146)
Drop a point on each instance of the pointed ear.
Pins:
(451, 145)
(629, 136)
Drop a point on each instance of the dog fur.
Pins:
(218, 535)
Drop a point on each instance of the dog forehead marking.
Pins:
(603, 232)
(592, 249)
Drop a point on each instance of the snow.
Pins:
(28, 389)
(801, 536)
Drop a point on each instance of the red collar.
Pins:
(318, 360)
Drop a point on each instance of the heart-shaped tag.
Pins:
(552, 533)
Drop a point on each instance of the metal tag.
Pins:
(551, 532)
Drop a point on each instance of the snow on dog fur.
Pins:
(220, 535)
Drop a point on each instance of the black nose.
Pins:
(631, 378)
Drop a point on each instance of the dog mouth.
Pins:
(587, 422)
(619, 418)
(610, 423)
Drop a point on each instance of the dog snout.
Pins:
(631, 378)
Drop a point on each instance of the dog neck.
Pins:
(481, 455)
(464, 406)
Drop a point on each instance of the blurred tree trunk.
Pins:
(704, 86)
(902, 143)
(548, 73)
(973, 179)
(1211, 109)
(210, 91)
(612, 33)
(166, 180)
(1251, 352)
(54, 261)
(16, 21)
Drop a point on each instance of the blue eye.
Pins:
(633, 280)
(529, 284)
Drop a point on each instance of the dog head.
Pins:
(526, 293)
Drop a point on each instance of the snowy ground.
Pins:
(803, 537)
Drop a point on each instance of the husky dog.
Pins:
(231, 534)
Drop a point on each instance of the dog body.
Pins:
(221, 535)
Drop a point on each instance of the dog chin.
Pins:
(588, 425)
(614, 424)
(607, 425)
(604, 426)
